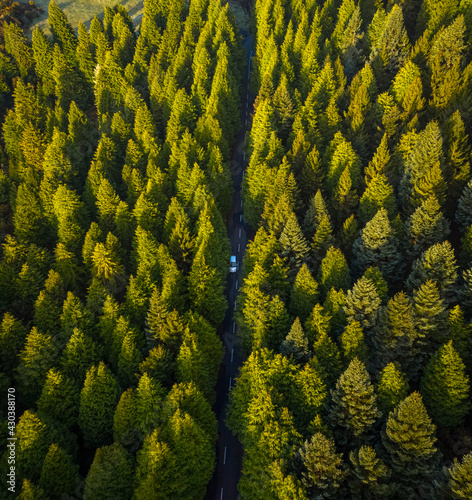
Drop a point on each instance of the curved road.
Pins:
(223, 485)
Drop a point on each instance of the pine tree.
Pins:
(353, 407)
(16, 45)
(431, 316)
(353, 344)
(378, 246)
(464, 208)
(293, 243)
(334, 271)
(59, 474)
(110, 475)
(392, 388)
(59, 398)
(409, 440)
(460, 332)
(304, 294)
(460, 477)
(362, 303)
(391, 48)
(296, 343)
(322, 468)
(457, 169)
(29, 491)
(445, 387)
(12, 338)
(98, 399)
(426, 226)
(371, 475)
(378, 194)
(36, 359)
(327, 359)
(397, 338)
(439, 265)
(62, 31)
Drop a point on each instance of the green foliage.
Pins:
(362, 303)
(110, 475)
(353, 408)
(459, 477)
(392, 388)
(322, 470)
(59, 473)
(353, 343)
(410, 443)
(296, 343)
(370, 473)
(98, 399)
(445, 387)
(334, 271)
(304, 294)
(377, 246)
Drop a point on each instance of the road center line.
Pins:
(221, 496)
(235, 305)
(239, 232)
(232, 352)
(234, 326)
(240, 218)
(229, 388)
(239, 247)
(224, 458)
(236, 286)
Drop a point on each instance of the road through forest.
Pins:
(223, 485)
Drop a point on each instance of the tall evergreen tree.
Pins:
(459, 477)
(354, 407)
(445, 387)
(392, 388)
(409, 439)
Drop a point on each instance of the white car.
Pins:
(233, 264)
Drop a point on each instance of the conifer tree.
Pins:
(392, 388)
(464, 208)
(296, 343)
(397, 338)
(371, 474)
(431, 316)
(62, 31)
(12, 339)
(16, 45)
(334, 271)
(59, 398)
(426, 226)
(460, 476)
(378, 194)
(322, 468)
(293, 243)
(36, 359)
(460, 332)
(59, 473)
(327, 359)
(98, 399)
(362, 303)
(439, 265)
(304, 294)
(354, 407)
(409, 439)
(445, 387)
(353, 344)
(111, 474)
(378, 246)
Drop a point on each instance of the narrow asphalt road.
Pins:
(223, 485)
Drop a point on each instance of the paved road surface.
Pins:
(223, 485)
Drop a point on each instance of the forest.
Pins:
(114, 189)
(355, 308)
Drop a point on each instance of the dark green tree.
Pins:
(460, 476)
(392, 388)
(304, 294)
(353, 343)
(296, 343)
(59, 474)
(445, 387)
(409, 438)
(110, 475)
(334, 271)
(322, 471)
(353, 409)
(98, 399)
